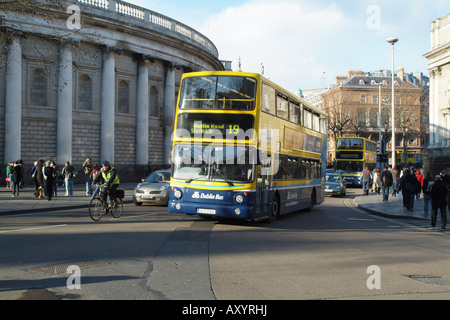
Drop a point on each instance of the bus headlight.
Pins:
(177, 193)
(239, 198)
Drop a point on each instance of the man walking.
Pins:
(386, 182)
(365, 178)
(68, 172)
(439, 201)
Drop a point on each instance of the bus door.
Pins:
(263, 192)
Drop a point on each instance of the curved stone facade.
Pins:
(92, 78)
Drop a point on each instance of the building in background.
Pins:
(439, 71)
(353, 109)
(98, 79)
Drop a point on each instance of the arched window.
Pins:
(154, 102)
(123, 101)
(38, 88)
(85, 92)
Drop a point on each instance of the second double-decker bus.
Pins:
(353, 154)
(245, 148)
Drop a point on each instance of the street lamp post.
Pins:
(393, 41)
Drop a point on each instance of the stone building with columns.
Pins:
(439, 70)
(93, 78)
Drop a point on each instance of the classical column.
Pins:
(169, 111)
(64, 121)
(432, 123)
(13, 110)
(142, 114)
(108, 106)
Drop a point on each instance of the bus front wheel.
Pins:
(275, 210)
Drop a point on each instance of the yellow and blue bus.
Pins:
(353, 154)
(245, 148)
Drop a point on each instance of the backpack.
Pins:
(429, 186)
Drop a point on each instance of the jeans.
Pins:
(366, 187)
(88, 185)
(69, 186)
(385, 193)
(426, 203)
(15, 185)
(394, 188)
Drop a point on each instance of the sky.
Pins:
(305, 44)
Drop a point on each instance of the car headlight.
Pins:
(163, 188)
(239, 198)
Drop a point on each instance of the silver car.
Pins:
(154, 189)
(335, 185)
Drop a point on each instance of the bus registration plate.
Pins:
(206, 211)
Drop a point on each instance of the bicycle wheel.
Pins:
(117, 209)
(96, 209)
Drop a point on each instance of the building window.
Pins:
(38, 88)
(154, 102)
(123, 97)
(375, 99)
(363, 99)
(84, 92)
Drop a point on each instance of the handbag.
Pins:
(7, 179)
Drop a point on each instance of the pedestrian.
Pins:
(8, 175)
(87, 167)
(439, 201)
(411, 185)
(375, 177)
(394, 172)
(49, 177)
(94, 177)
(68, 172)
(446, 180)
(55, 179)
(386, 182)
(148, 169)
(419, 177)
(16, 177)
(39, 180)
(366, 180)
(401, 186)
(428, 183)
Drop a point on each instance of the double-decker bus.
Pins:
(353, 154)
(245, 148)
(412, 159)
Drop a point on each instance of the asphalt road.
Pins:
(152, 255)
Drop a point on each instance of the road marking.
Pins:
(356, 219)
(140, 215)
(36, 228)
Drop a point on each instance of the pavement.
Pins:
(27, 202)
(393, 208)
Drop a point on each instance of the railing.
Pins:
(148, 16)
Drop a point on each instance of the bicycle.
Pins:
(98, 208)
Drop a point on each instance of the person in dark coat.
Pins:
(386, 183)
(39, 179)
(49, 175)
(410, 188)
(439, 201)
(16, 178)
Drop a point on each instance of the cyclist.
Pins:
(110, 179)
